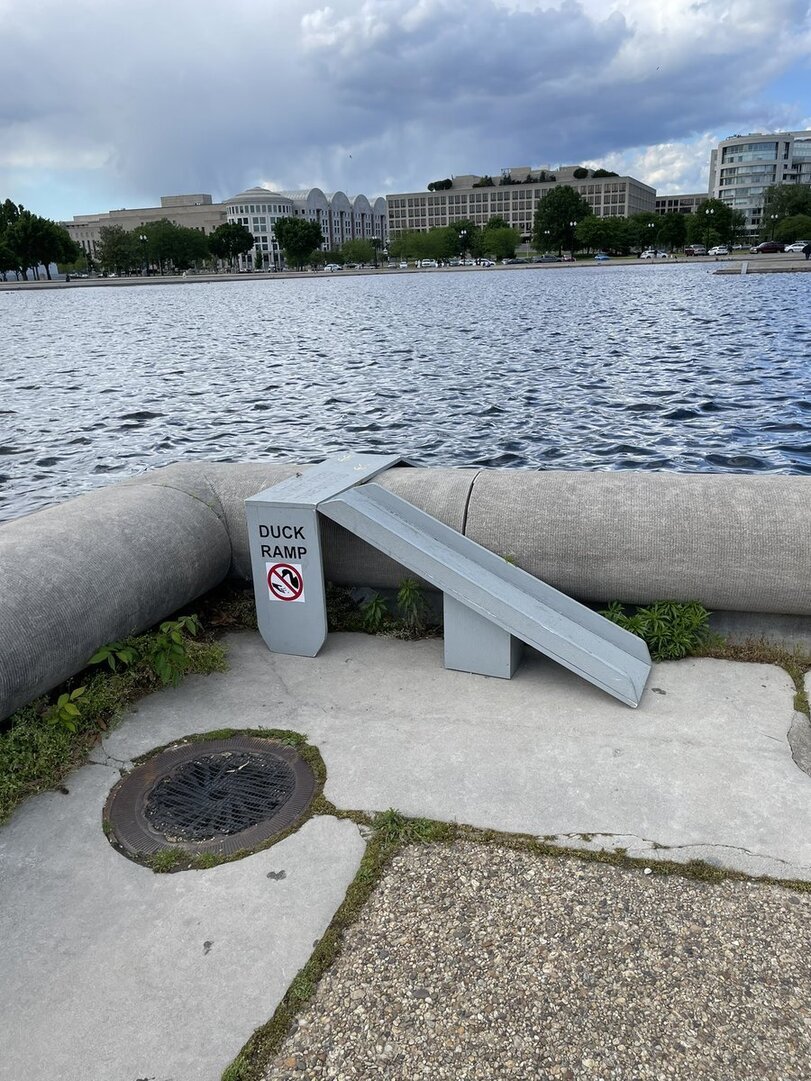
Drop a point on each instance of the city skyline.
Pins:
(102, 111)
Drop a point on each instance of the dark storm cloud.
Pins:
(153, 98)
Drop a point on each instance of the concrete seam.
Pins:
(218, 514)
(657, 846)
(476, 476)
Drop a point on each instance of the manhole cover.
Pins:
(219, 796)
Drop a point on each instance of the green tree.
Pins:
(172, 247)
(117, 250)
(500, 242)
(298, 239)
(787, 200)
(357, 251)
(556, 210)
(715, 222)
(673, 230)
(468, 237)
(594, 234)
(230, 240)
(8, 259)
(797, 227)
(645, 228)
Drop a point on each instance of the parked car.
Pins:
(695, 249)
(767, 247)
(653, 253)
(545, 259)
(797, 246)
(402, 266)
(332, 267)
(426, 263)
(719, 249)
(601, 257)
(486, 262)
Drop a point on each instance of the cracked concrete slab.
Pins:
(703, 768)
(112, 972)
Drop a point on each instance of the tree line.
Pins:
(496, 239)
(168, 248)
(28, 241)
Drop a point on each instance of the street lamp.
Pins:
(547, 233)
(652, 225)
(375, 245)
(707, 218)
(773, 219)
(144, 239)
(463, 243)
(572, 226)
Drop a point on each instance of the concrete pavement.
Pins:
(110, 971)
(703, 767)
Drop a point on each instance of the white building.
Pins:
(744, 166)
(341, 218)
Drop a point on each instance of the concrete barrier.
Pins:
(117, 560)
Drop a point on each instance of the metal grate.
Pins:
(221, 796)
(218, 795)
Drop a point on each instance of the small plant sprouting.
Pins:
(672, 629)
(65, 712)
(115, 653)
(375, 614)
(168, 654)
(412, 606)
(165, 651)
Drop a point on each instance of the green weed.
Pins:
(412, 607)
(671, 629)
(375, 614)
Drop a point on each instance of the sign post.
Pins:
(286, 556)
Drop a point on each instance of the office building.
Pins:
(680, 204)
(514, 196)
(744, 166)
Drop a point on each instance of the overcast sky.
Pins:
(113, 103)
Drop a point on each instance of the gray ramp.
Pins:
(520, 604)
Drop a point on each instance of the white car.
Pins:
(652, 254)
(720, 249)
(425, 264)
(332, 267)
(402, 266)
(797, 246)
(486, 262)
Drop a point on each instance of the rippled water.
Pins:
(655, 367)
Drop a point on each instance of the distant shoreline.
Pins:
(756, 265)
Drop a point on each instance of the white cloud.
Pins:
(150, 98)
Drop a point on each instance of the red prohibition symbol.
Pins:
(285, 582)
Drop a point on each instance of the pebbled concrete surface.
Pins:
(702, 769)
(113, 973)
(475, 962)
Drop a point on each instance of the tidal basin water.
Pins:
(650, 367)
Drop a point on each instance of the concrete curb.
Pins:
(117, 560)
